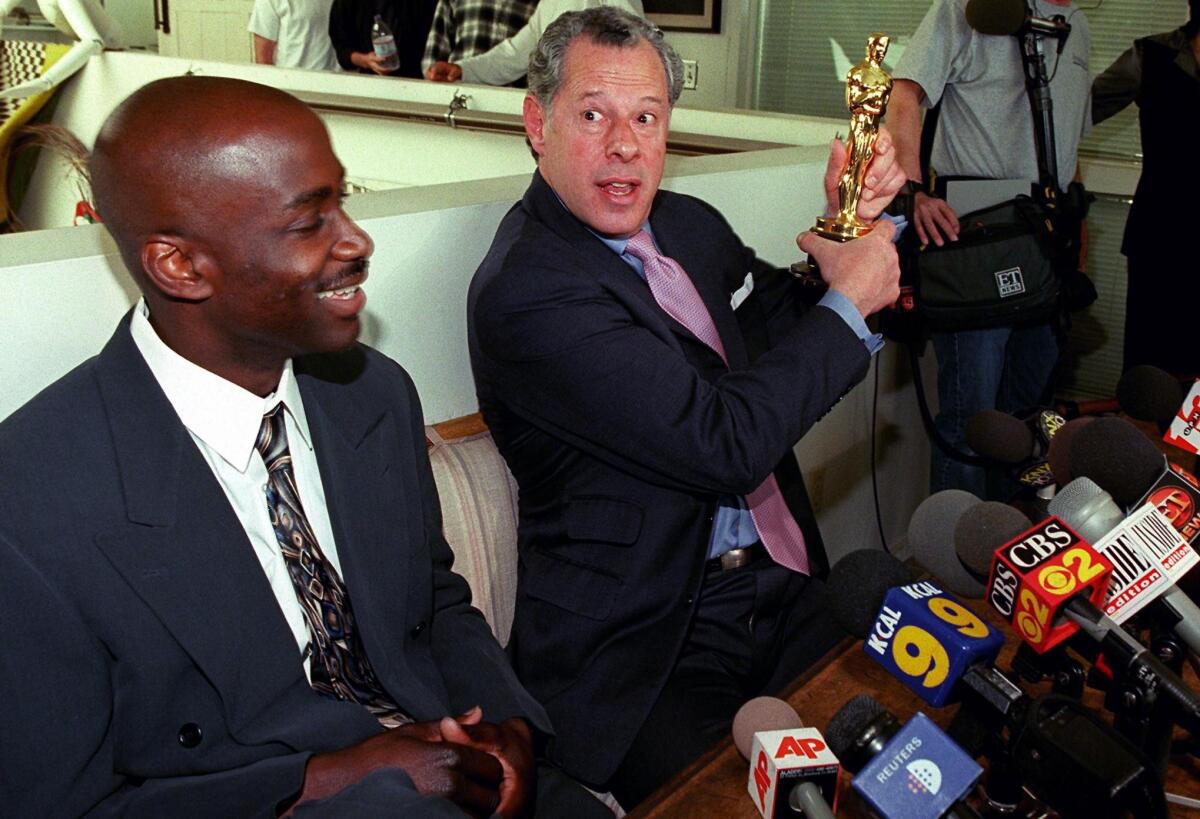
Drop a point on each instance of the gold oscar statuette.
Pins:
(868, 87)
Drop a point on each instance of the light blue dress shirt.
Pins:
(733, 527)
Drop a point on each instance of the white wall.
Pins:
(720, 56)
(369, 146)
(136, 19)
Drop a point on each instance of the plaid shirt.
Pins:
(462, 28)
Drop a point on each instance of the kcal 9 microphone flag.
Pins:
(927, 640)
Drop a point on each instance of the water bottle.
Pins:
(385, 45)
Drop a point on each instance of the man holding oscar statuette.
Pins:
(670, 559)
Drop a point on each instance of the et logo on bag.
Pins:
(1009, 282)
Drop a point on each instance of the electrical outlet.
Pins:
(691, 74)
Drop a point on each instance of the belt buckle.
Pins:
(734, 559)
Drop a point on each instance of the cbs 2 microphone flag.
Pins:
(1035, 574)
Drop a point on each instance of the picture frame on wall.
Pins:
(701, 16)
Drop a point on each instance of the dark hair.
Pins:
(605, 25)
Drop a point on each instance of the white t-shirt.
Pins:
(986, 125)
(300, 31)
(508, 61)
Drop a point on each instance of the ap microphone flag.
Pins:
(788, 764)
(919, 774)
(927, 640)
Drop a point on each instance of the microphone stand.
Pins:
(1037, 84)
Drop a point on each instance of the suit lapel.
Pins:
(600, 261)
(185, 553)
(675, 237)
(359, 454)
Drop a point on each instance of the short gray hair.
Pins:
(604, 25)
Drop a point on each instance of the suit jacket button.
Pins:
(417, 629)
(689, 599)
(190, 735)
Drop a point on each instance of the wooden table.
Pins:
(715, 784)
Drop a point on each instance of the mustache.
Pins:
(352, 270)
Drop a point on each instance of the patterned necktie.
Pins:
(675, 293)
(340, 668)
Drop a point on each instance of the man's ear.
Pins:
(535, 124)
(176, 268)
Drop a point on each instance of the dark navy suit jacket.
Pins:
(146, 667)
(623, 430)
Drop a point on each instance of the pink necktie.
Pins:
(675, 293)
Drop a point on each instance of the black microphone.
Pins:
(1021, 443)
(1122, 461)
(1118, 457)
(1149, 394)
(1003, 17)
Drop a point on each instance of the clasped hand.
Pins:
(483, 768)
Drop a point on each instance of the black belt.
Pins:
(735, 558)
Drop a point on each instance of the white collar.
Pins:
(223, 415)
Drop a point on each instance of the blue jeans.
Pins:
(1004, 368)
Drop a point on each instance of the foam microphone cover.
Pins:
(931, 538)
(857, 584)
(998, 17)
(984, 529)
(1118, 457)
(1149, 394)
(1059, 453)
(847, 726)
(762, 714)
(999, 436)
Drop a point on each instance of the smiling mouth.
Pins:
(341, 294)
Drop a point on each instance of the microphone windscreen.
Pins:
(1149, 394)
(986, 528)
(1118, 457)
(847, 725)
(999, 436)
(1059, 453)
(762, 714)
(931, 538)
(856, 587)
(998, 17)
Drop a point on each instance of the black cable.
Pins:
(931, 430)
(874, 470)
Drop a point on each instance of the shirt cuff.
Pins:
(845, 308)
(899, 221)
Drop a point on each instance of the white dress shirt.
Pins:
(223, 420)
